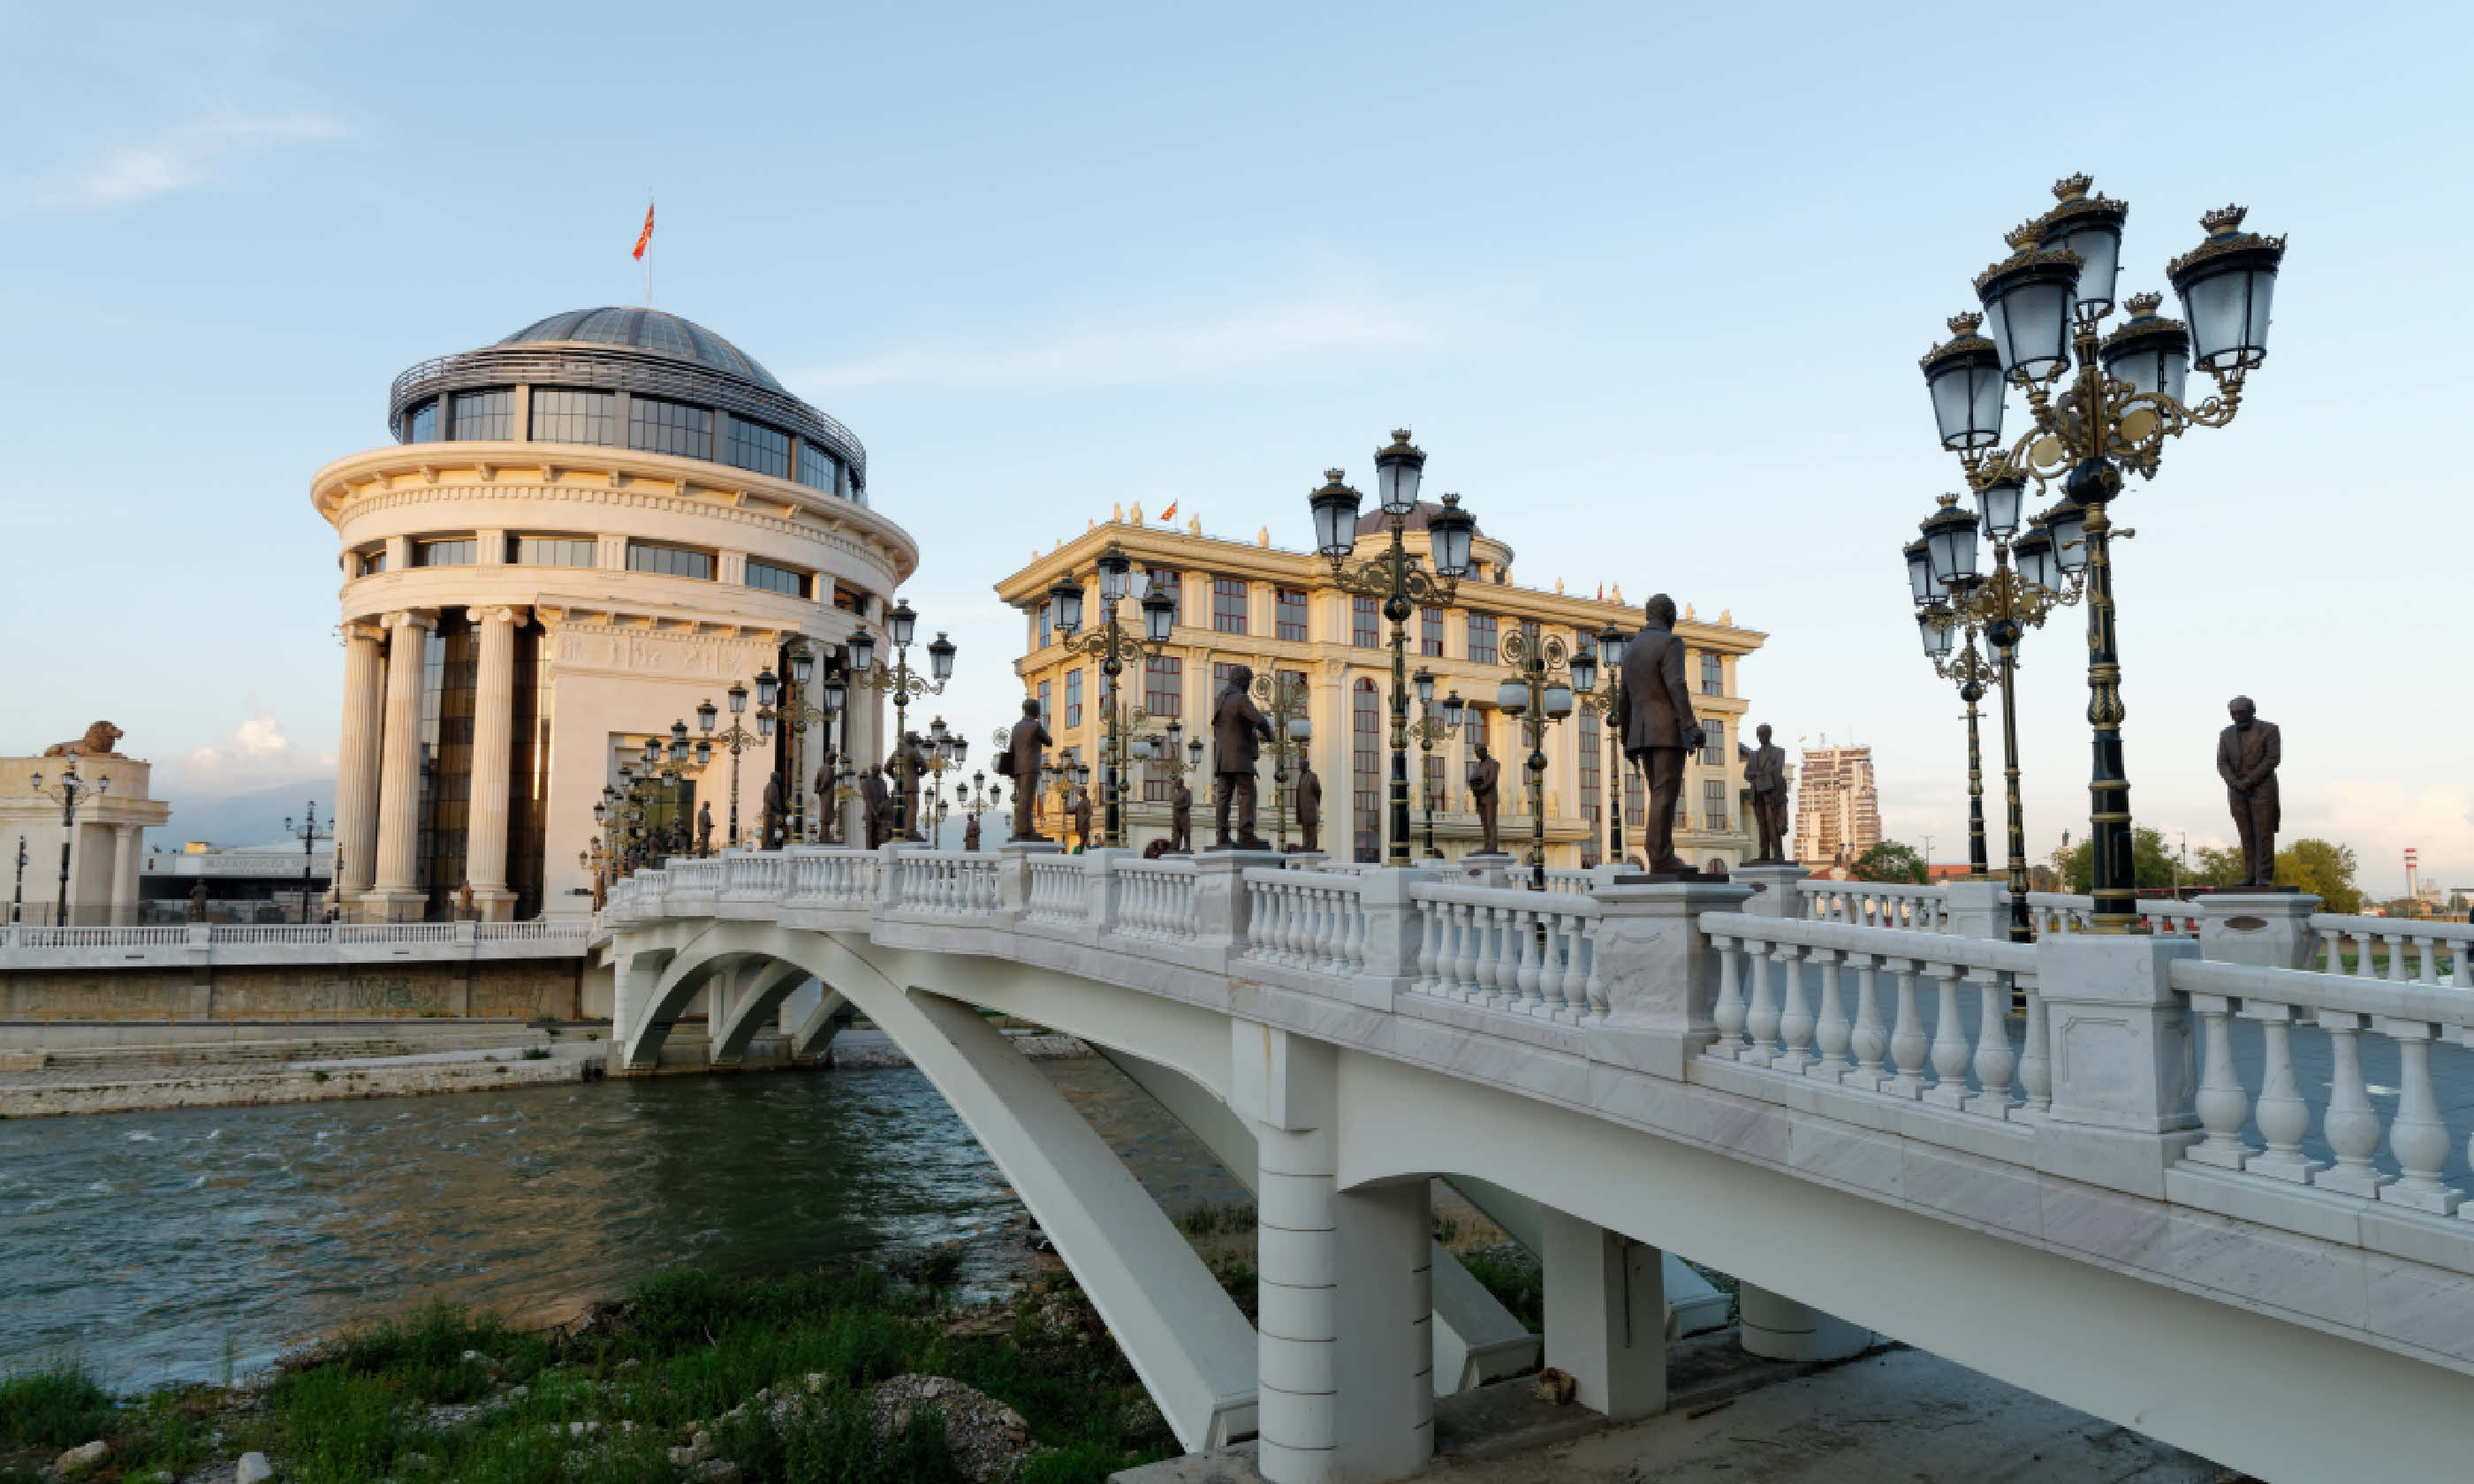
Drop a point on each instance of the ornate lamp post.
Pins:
(1115, 649)
(972, 803)
(308, 833)
(1283, 701)
(1545, 673)
(1428, 732)
(1609, 660)
(1172, 756)
(1396, 579)
(69, 792)
(736, 738)
(18, 902)
(796, 713)
(2044, 306)
(899, 681)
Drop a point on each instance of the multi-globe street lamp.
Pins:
(795, 712)
(1394, 578)
(864, 673)
(309, 832)
(1116, 649)
(736, 738)
(1163, 755)
(1283, 699)
(68, 791)
(970, 800)
(1545, 674)
(1428, 729)
(2043, 308)
(1608, 661)
(18, 902)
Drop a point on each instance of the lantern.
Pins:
(803, 667)
(1950, 540)
(1335, 516)
(2034, 554)
(2089, 226)
(1424, 682)
(705, 714)
(1585, 669)
(1612, 641)
(1451, 529)
(1999, 501)
(1159, 616)
(2067, 522)
(1936, 625)
(1455, 710)
(1964, 380)
(837, 692)
(2225, 285)
(940, 657)
(1398, 470)
(769, 688)
(1113, 567)
(1920, 576)
(1511, 696)
(1559, 701)
(903, 623)
(2027, 299)
(2151, 352)
(862, 651)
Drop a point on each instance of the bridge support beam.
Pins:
(1606, 1316)
(1778, 1328)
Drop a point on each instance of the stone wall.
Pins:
(533, 987)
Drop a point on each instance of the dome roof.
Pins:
(1373, 522)
(648, 330)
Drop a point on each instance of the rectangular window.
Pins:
(1164, 686)
(1714, 804)
(1430, 632)
(487, 415)
(818, 469)
(372, 563)
(776, 579)
(1713, 676)
(1714, 743)
(1432, 767)
(657, 426)
(462, 551)
(553, 551)
(1227, 605)
(1481, 639)
(421, 422)
(1289, 614)
(1043, 703)
(1047, 611)
(1171, 585)
(564, 417)
(669, 561)
(1591, 776)
(1365, 623)
(755, 447)
(1072, 698)
(1365, 770)
(1635, 809)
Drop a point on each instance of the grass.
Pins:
(536, 1053)
(683, 1350)
(1516, 1280)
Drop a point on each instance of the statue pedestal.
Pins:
(1490, 869)
(1775, 894)
(2267, 929)
(1304, 860)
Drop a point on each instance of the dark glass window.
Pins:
(454, 553)
(755, 447)
(1714, 743)
(553, 551)
(1366, 769)
(818, 469)
(421, 422)
(1432, 767)
(776, 579)
(1635, 811)
(564, 417)
(449, 658)
(1229, 604)
(1481, 639)
(1365, 623)
(657, 426)
(1046, 612)
(529, 770)
(1430, 632)
(1714, 804)
(1174, 586)
(1072, 698)
(1043, 703)
(1591, 775)
(372, 563)
(1289, 614)
(671, 561)
(1164, 686)
(1713, 676)
(485, 416)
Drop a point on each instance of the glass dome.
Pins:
(649, 330)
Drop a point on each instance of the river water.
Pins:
(182, 1245)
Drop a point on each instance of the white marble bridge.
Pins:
(2178, 1180)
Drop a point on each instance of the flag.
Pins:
(1169, 513)
(645, 238)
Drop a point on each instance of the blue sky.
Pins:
(1649, 284)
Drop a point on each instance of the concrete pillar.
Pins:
(397, 893)
(1606, 1316)
(494, 704)
(1385, 1350)
(2266, 929)
(1978, 909)
(356, 762)
(1775, 890)
(126, 839)
(1778, 1328)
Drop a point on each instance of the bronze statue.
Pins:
(99, 740)
(197, 894)
(1238, 732)
(1765, 775)
(464, 912)
(1484, 786)
(1020, 762)
(1082, 819)
(1660, 728)
(2247, 753)
(971, 833)
(1309, 805)
(1181, 819)
(773, 815)
(704, 828)
(914, 777)
(878, 800)
(829, 822)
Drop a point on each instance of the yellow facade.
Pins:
(1255, 604)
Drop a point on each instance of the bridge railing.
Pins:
(1154, 901)
(831, 876)
(1308, 921)
(2438, 950)
(945, 883)
(1531, 953)
(1058, 891)
(1924, 909)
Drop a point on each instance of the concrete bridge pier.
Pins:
(1778, 1328)
(1606, 1316)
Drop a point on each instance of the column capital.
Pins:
(371, 630)
(412, 618)
(502, 614)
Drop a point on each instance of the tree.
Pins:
(2044, 878)
(2404, 907)
(2219, 866)
(1890, 861)
(2325, 870)
(2152, 866)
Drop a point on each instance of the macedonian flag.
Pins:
(645, 238)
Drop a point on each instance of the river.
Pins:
(184, 1245)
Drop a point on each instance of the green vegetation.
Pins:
(454, 1394)
(1210, 1220)
(1515, 1279)
(1889, 861)
(536, 1053)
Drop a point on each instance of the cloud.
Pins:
(182, 156)
(1124, 354)
(254, 754)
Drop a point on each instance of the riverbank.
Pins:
(841, 1374)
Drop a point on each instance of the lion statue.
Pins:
(98, 742)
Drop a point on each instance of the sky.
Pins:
(1648, 283)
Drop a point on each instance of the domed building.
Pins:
(579, 535)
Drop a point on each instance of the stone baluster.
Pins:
(1829, 1030)
(1795, 1012)
(1595, 986)
(2035, 1054)
(2351, 1127)
(1950, 1051)
(2283, 1117)
(2396, 957)
(2417, 1139)
(1482, 921)
(1994, 1058)
(1575, 986)
(1866, 1038)
(2222, 1107)
(1331, 936)
(1512, 943)
(1527, 972)
(1728, 1011)
(1429, 943)
(1761, 1015)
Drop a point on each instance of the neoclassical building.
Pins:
(577, 535)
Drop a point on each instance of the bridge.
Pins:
(2187, 1180)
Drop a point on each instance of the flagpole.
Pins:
(649, 250)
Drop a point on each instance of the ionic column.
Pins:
(398, 875)
(494, 704)
(125, 842)
(356, 762)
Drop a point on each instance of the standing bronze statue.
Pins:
(1020, 762)
(1181, 819)
(1765, 777)
(971, 834)
(877, 804)
(1238, 732)
(704, 828)
(829, 823)
(1486, 793)
(1309, 805)
(1660, 728)
(1082, 819)
(914, 778)
(2247, 753)
(772, 814)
